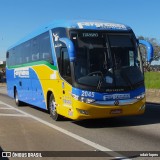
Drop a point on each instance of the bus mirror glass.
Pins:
(109, 79)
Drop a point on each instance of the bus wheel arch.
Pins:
(17, 101)
(51, 105)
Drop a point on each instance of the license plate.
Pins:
(116, 111)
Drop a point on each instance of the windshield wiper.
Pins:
(99, 84)
(100, 81)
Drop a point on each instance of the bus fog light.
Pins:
(141, 96)
(82, 111)
(142, 107)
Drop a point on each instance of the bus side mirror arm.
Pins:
(149, 49)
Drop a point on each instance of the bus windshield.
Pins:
(107, 61)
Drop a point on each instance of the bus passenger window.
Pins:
(27, 59)
(35, 57)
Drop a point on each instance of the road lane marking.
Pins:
(6, 108)
(13, 115)
(1, 102)
(75, 136)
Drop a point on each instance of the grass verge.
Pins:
(152, 80)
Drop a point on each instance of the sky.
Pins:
(20, 17)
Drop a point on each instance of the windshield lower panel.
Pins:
(107, 61)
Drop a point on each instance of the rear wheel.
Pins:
(17, 101)
(52, 108)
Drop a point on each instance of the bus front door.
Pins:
(65, 71)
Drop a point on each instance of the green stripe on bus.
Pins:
(34, 64)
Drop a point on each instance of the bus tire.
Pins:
(17, 101)
(52, 108)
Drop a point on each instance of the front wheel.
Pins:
(52, 108)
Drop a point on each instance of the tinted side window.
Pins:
(12, 57)
(36, 49)
(45, 47)
(18, 54)
(27, 51)
(60, 32)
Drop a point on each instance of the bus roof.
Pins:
(75, 24)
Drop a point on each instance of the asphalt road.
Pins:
(29, 129)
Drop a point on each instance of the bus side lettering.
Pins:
(22, 72)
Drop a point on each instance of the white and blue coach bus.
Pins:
(79, 70)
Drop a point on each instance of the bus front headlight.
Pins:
(141, 96)
(83, 99)
(86, 100)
